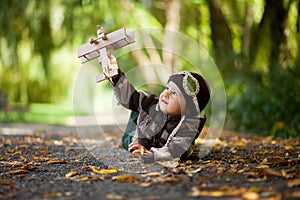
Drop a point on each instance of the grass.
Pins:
(41, 113)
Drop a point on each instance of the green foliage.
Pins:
(255, 44)
(271, 107)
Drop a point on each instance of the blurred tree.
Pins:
(254, 42)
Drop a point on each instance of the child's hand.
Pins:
(112, 61)
(136, 148)
(140, 151)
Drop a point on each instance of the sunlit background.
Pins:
(255, 44)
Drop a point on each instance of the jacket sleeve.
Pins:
(179, 144)
(126, 94)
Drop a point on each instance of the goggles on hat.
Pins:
(191, 87)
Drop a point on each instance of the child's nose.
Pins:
(167, 93)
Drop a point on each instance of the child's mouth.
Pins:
(165, 102)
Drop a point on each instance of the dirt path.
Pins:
(57, 162)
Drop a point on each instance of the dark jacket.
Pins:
(167, 137)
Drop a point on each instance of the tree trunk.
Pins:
(221, 38)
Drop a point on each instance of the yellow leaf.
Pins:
(113, 196)
(83, 179)
(125, 178)
(71, 174)
(108, 171)
(251, 196)
(146, 184)
(103, 171)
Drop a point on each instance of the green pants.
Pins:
(130, 129)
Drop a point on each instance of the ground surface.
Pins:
(57, 162)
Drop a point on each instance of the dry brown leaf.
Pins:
(289, 173)
(293, 182)
(295, 194)
(12, 164)
(151, 174)
(19, 171)
(41, 159)
(6, 183)
(192, 170)
(45, 151)
(28, 167)
(196, 192)
(113, 196)
(169, 164)
(221, 192)
(50, 162)
(271, 172)
(7, 196)
(98, 178)
(166, 179)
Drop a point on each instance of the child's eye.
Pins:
(174, 93)
(167, 88)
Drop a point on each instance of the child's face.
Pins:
(169, 100)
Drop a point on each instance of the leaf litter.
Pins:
(239, 165)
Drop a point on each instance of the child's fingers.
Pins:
(147, 153)
(133, 144)
(137, 151)
(132, 148)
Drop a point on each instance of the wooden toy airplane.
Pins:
(98, 47)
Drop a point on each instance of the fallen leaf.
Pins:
(125, 178)
(113, 196)
(167, 179)
(221, 192)
(169, 164)
(45, 151)
(251, 195)
(7, 196)
(98, 178)
(6, 183)
(192, 170)
(50, 162)
(12, 164)
(19, 171)
(72, 173)
(41, 159)
(83, 179)
(146, 184)
(103, 171)
(293, 182)
(151, 174)
(271, 172)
